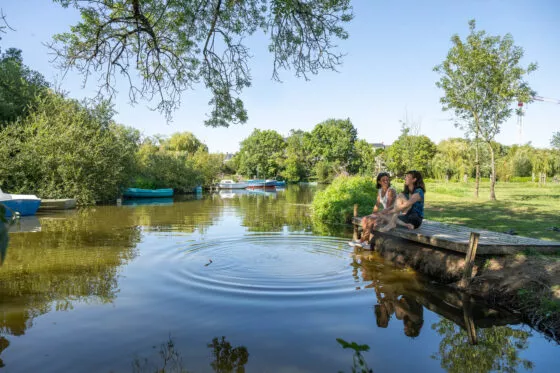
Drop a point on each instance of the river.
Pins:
(234, 282)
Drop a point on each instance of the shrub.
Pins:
(335, 204)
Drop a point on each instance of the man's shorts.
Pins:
(412, 218)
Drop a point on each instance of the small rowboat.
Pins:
(148, 193)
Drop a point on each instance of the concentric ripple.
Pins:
(265, 267)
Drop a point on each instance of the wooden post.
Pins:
(356, 235)
(469, 260)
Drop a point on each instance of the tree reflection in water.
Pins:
(227, 359)
(474, 337)
(497, 349)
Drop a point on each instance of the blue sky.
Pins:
(386, 75)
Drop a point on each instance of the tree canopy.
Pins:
(481, 78)
(164, 47)
(555, 142)
(19, 86)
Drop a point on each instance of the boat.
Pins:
(147, 193)
(22, 204)
(261, 184)
(164, 201)
(280, 184)
(230, 184)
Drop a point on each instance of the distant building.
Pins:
(228, 157)
(378, 145)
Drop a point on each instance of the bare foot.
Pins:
(409, 226)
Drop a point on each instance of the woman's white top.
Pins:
(384, 198)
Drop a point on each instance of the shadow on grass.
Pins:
(498, 216)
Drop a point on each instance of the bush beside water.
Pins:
(335, 204)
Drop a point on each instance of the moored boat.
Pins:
(147, 193)
(23, 204)
(259, 184)
(230, 184)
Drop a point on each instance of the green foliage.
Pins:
(184, 142)
(555, 141)
(164, 169)
(332, 142)
(173, 45)
(335, 204)
(452, 160)
(297, 165)
(365, 158)
(498, 349)
(481, 79)
(410, 152)
(359, 364)
(19, 87)
(209, 166)
(262, 154)
(64, 149)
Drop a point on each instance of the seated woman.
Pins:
(409, 208)
(386, 197)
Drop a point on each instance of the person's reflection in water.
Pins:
(411, 313)
(405, 308)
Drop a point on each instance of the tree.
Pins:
(332, 142)
(19, 86)
(481, 78)
(555, 142)
(365, 158)
(166, 47)
(410, 152)
(184, 142)
(262, 154)
(296, 165)
(451, 159)
(67, 149)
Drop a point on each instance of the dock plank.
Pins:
(456, 238)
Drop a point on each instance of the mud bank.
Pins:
(525, 284)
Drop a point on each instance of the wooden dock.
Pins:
(456, 238)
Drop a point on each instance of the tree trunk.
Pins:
(493, 174)
(477, 167)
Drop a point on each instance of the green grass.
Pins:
(527, 208)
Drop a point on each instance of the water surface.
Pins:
(233, 282)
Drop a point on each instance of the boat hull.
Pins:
(232, 185)
(262, 184)
(25, 207)
(148, 193)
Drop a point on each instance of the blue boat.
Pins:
(24, 204)
(147, 193)
(280, 183)
(260, 183)
(164, 201)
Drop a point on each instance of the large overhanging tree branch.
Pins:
(164, 47)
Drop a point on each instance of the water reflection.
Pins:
(233, 265)
(359, 364)
(26, 224)
(226, 359)
(474, 336)
(498, 349)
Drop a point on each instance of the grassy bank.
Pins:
(527, 208)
